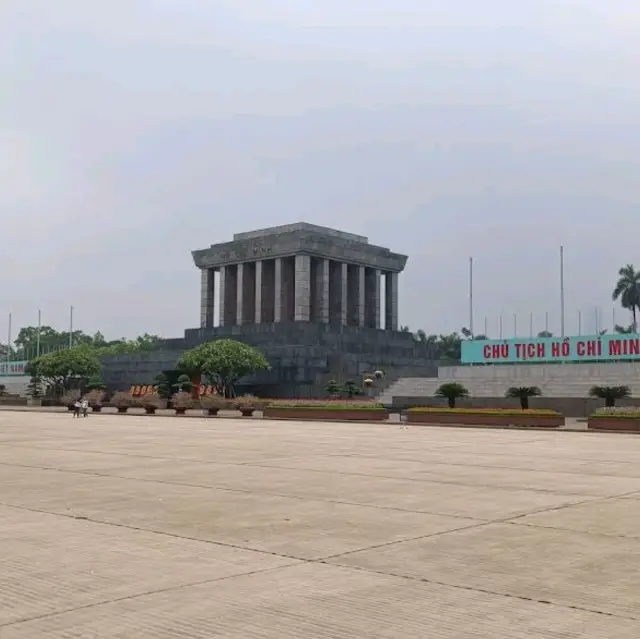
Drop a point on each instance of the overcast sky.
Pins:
(135, 131)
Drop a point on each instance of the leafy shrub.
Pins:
(523, 393)
(70, 397)
(152, 401)
(452, 391)
(483, 411)
(624, 412)
(247, 402)
(96, 397)
(215, 401)
(123, 399)
(182, 399)
(610, 393)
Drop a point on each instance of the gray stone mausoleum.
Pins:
(321, 304)
(299, 273)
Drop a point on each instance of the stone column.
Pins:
(372, 297)
(322, 291)
(344, 279)
(302, 288)
(361, 309)
(240, 294)
(258, 298)
(277, 301)
(222, 293)
(206, 297)
(391, 301)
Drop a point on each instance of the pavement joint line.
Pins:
(573, 530)
(360, 457)
(246, 491)
(107, 602)
(482, 590)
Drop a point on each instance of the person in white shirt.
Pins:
(77, 405)
(85, 407)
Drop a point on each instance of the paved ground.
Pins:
(166, 528)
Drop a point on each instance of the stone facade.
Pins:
(309, 297)
(306, 259)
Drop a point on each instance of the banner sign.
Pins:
(552, 349)
(8, 369)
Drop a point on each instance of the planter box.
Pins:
(621, 424)
(483, 419)
(326, 415)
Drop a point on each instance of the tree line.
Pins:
(32, 341)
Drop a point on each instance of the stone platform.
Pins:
(156, 528)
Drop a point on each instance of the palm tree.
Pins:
(523, 393)
(545, 334)
(610, 393)
(627, 290)
(452, 391)
(624, 330)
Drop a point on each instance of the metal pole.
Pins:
(515, 325)
(579, 322)
(471, 297)
(500, 332)
(531, 325)
(9, 344)
(486, 328)
(71, 327)
(613, 319)
(597, 322)
(562, 291)
(38, 333)
(546, 321)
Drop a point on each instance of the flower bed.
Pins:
(325, 410)
(619, 418)
(492, 417)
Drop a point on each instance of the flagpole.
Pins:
(562, 291)
(70, 326)
(471, 297)
(546, 321)
(38, 333)
(579, 322)
(486, 326)
(9, 344)
(515, 325)
(531, 325)
(500, 326)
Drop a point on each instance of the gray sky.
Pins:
(135, 131)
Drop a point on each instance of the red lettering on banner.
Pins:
(615, 347)
(581, 349)
(486, 351)
(593, 347)
(555, 349)
(634, 347)
(520, 354)
(496, 351)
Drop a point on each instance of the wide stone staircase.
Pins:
(554, 380)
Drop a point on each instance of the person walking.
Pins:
(85, 407)
(77, 405)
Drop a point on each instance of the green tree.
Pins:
(59, 367)
(332, 388)
(223, 362)
(95, 383)
(350, 389)
(627, 290)
(452, 391)
(610, 393)
(623, 329)
(162, 385)
(523, 393)
(545, 334)
(34, 389)
(183, 384)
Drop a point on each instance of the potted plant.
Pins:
(213, 403)
(332, 388)
(247, 405)
(151, 402)
(452, 391)
(523, 393)
(123, 400)
(70, 398)
(95, 398)
(181, 401)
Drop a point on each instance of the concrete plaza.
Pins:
(162, 528)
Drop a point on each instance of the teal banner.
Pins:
(552, 349)
(12, 368)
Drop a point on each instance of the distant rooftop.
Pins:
(300, 226)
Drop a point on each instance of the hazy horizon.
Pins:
(440, 130)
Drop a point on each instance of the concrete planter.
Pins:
(486, 419)
(620, 424)
(326, 414)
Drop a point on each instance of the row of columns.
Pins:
(300, 289)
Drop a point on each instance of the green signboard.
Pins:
(520, 350)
